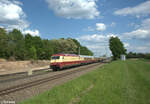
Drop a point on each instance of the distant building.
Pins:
(123, 57)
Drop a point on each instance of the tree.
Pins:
(147, 56)
(3, 43)
(131, 55)
(67, 46)
(55, 46)
(138, 55)
(85, 51)
(46, 50)
(116, 47)
(32, 52)
(16, 44)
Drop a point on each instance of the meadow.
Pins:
(119, 82)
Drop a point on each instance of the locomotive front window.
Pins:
(55, 57)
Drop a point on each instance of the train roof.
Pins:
(74, 55)
(86, 56)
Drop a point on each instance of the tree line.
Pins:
(16, 46)
(117, 48)
(138, 55)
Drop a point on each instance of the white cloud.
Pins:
(99, 49)
(126, 45)
(32, 32)
(113, 24)
(142, 33)
(137, 34)
(139, 37)
(142, 9)
(12, 15)
(89, 29)
(96, 38)
(98, 43)
(100, 26)
(93, 38)
(1, 27)
(111, 35)
(76, 9)
(140, 49)
(146, 24)
(134, 25)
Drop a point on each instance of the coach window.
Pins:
(55, 57)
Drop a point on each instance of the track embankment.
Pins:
(24, 89)
(11, 67)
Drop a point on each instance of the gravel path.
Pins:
(35, 90)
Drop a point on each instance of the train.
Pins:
(61, 61)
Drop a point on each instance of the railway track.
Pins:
(22, 75)
(41, 81)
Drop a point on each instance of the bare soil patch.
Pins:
(8, 67)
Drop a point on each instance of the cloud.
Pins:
(99, 49)
(89, 29)
(32, 32)
(142, 9)
(134, 25)
(12, 15)
(146, 24)
(76, 9)
(113, 24)
(137, 34)
(140, 49)
(142, 33)
(98, 43)
(140, 36)
(111, 35)
(96, 38)
(93, 38)
(126, 45)
(100, 26)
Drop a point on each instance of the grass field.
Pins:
(120, 82)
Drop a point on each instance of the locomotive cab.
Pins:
(55, 62)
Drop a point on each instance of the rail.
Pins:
(40, 81)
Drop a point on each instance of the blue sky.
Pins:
(92, 22)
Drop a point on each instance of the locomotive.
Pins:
(60, 61)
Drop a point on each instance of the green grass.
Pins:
(120, 82)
